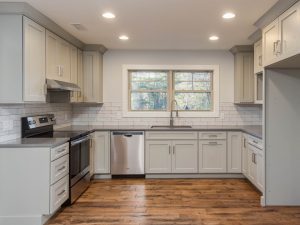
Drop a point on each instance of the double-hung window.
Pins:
(150, 90)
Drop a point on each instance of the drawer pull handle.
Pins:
(213, 135)
(61, 150)
(62, 168)
(213, 143)
(63, 191)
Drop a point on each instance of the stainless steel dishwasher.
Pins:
(127, 153)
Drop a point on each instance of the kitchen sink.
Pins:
(170, 127)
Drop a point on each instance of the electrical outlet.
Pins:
(222, 115)
(8, 125)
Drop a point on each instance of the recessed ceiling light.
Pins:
(213, 38)
(123, 37)
(228, 15)
(109, 15)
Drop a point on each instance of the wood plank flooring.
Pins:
(173, 202)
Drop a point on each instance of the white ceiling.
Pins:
(157, 24)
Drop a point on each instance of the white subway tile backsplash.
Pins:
(111, 114)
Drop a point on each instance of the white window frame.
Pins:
(216, 90)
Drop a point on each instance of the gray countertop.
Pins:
(34, 143)
(255, 130)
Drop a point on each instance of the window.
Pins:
(149, 90)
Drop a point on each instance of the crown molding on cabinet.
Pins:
(94, 47)
(256, 36)
(23, 8)
(280, 7)
(241, 48)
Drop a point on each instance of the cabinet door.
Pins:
(34, 62)
(260, 171)
(270, 39)
(245, 156)
(52, 56)
(92, 75)
(65, 60)
(252, 169)
(80, 76)
(101, 153)
(212, 156)
(234, 152)
(158, 157)
(244, 77)
(74, 72)
(289, 23)
(258, 66)
(184, 157)
(92, 155)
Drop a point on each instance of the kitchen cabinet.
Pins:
(184, 157)
(22, 60)
(255, 163)
(92, 75)
(258, 64)
(80, 75)
(34, 61)
(74, 72)
(58, 58)
(212, 156)
(101, 145)
(281, 37)
(258, 88)
(42, 173)
(244, 155)
(243, 74)
(170, 156)
(158, 156)
(234, 152)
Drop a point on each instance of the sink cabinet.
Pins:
(166, 153)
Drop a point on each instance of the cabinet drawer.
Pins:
(255, 142)
(59, 193)
(59, 151)
(215, 135)
(59, 168)
(162, 135)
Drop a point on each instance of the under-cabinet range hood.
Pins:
(56, 85)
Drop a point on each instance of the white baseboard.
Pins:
(101, 176)
(194, 176)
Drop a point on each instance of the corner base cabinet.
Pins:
(34, 183)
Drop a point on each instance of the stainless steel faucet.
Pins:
(172, 110)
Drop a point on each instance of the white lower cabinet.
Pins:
(234, 152)
(158, 157)
(244, 155)
(101, 146)
(212, 156)
(184, 157)
(170, 156)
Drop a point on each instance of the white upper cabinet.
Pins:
(258, 65)
(281, 37)
(58, 58)
(243, 74)
(80, 75)
(92, 75)
(74, 71)
(34, 61)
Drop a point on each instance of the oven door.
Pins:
(79, 159)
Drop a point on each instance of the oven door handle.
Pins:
(79, 141)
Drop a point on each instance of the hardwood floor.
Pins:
(170, 202)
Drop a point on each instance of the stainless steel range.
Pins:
(42, 127)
